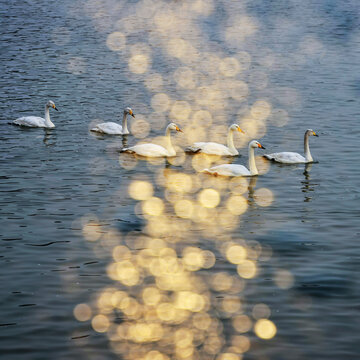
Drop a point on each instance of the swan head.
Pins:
(174, 127)
(51, 104)
(129, 111)
(255, 144)
(311, 132)
(236, 127)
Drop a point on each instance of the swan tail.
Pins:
(269, 157)
(192, 150)
(209, 172)
(127, 150)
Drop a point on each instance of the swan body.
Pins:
(36, 121)
(235, 169)
(212, 148)
(154, 150)
(112, 128)
(292, 157)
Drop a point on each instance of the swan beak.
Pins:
(240, 130)
(315, 134)
(261, 147)
(178, 129)
(132, 114)
(56, 108)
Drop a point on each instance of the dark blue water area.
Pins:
(308, 55)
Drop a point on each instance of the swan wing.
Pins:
(110, 128)
(286, 157)
(210, 148)
(30, 121)
(151, 150)
(228, 170)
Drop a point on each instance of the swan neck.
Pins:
(48, 122)
(124, 124)
(230, 142)
(307, 153)
(169, 146)
(252, 164)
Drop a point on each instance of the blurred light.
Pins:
(284, 279)
(116, 41)
(261, 311)
(202, 118)
(238, 185)
(139, 63)
(160, 102)
(229, 67)
(242, 323)
(279, 117)
(185, 78)
(151, 296)
(141, 190)
(236, 254)
(231, 304)
(82, 312)
(236, 204)
(121, 252)
(92, 230)
(247, 269)
(265, 329)
(228, 356)
(192, 258)
(209, 198)
(241, 342)
(263, 197)
(184, 208)
(179, 182)
(153, 206)
(208, 259)
(100, 323)
(180, 110)
(140, 128)
(260, 110)
(221, 281)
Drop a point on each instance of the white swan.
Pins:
(112, 128)
(292, 157)
(153, 150)
(36, 121)
(238, 170)
(213, 148)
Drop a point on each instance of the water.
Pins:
(65, 202)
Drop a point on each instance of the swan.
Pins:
(36, 121)
(213, 148)
(153, 150)
(238, 170)
(112, 128)
(292, 157)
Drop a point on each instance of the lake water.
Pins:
(105, 256)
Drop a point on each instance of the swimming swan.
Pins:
(292, 157)
(153, 150)
(112, 128)
(238, 170)
(213, 148)
(36, 121)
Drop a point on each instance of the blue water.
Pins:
(305, 60)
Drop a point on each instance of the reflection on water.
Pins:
(170, 295)
(154, 259)
(308, 186)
